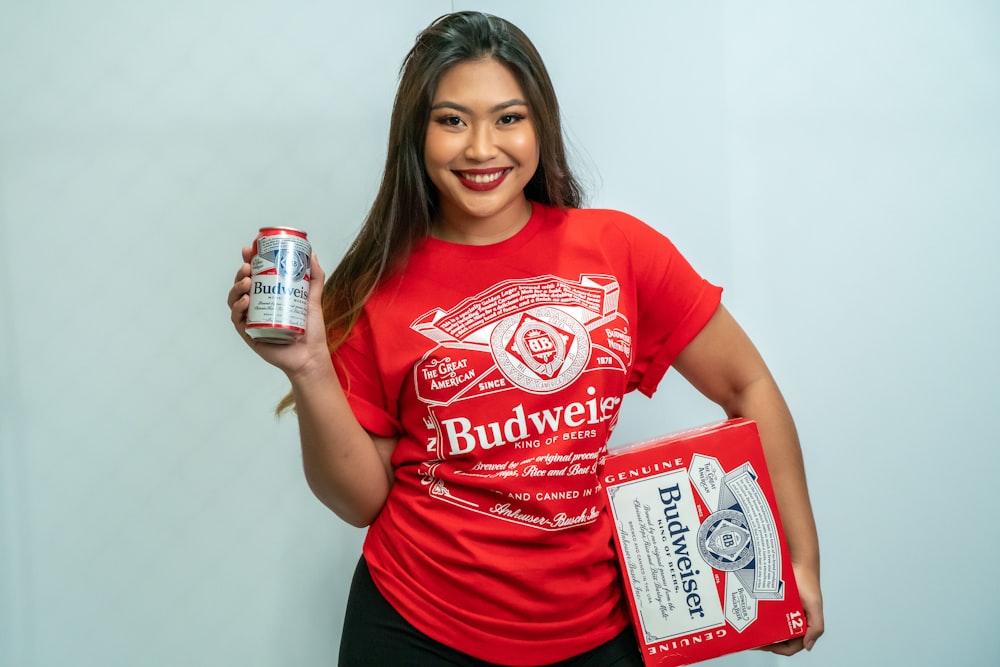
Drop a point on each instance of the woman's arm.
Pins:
(346, 466)
(723, 364)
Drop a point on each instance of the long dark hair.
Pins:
(404, 208)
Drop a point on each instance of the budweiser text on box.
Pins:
(707, 570)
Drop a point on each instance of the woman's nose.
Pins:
(482, 143)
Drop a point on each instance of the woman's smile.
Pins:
(483, 179)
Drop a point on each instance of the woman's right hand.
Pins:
(300, 356)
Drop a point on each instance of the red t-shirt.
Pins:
(501, 369)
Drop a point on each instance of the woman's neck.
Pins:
(456, 227)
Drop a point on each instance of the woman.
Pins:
(483, 330)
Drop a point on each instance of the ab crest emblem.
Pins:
(542, 350)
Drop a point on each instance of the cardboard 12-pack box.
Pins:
(706, 565)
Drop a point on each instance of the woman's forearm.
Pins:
(762, 402)
(342, 464)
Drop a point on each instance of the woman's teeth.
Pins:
(483, 178)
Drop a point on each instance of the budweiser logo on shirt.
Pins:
(462, 436)
(560, 350)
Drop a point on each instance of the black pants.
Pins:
(375, 635)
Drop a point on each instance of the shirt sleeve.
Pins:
(356, 363)
(674, 304)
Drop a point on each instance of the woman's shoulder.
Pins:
(596, 219)
(615, 229)
(600, 215)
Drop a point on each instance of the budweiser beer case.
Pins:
(705, 562)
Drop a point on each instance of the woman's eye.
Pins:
(450, 121)
(510, 118)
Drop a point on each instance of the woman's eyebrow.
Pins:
(499, 107)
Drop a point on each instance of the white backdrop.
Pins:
(833, 164)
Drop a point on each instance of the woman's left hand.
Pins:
(812, 604)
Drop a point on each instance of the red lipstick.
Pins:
(482, 180)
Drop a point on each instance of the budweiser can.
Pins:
(279, 290)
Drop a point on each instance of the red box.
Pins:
(706, 565)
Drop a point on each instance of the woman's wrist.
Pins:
(317, 369)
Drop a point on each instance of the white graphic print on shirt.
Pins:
(523, 388)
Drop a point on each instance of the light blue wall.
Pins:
(835, 165)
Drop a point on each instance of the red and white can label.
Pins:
(279, 290)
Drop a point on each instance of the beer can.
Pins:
(279, 289)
